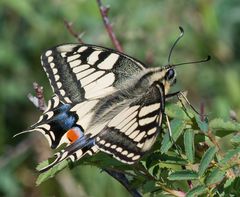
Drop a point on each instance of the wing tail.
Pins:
(74, 152)
(54, 123)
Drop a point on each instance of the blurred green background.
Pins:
(146, 30)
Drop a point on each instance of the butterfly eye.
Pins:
(170, 74)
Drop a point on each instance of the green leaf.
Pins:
(196, 191)
(177, 127)
(149, 186)
(153, 159)
(183, 175)
(155, 170)
(226, 127)
(229, 156)
(215, 176)
(232, 186)
(175, 111)
(206, 159)
(51, 172)
(9, 185)
(169, 159)
(202, 125)
(189, 144)
(236, 139)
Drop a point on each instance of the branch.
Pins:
(70, 29)
(104, 13)
(15, 152)
(120, 177)
(38, 100)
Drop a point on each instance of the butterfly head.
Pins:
(169, 78)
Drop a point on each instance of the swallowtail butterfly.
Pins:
(103, 100)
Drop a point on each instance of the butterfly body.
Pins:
(104, 101)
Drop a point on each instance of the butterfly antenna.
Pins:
(194, 62)
(174, 44)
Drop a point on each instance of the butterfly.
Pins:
(103, 100)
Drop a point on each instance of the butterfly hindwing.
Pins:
(79, 72)
(133, 131)
(59, 118)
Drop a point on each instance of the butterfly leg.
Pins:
(180, 94)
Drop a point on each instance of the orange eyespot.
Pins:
(73, 134)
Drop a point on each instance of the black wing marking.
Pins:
(74, 152)
(134, 130)
(54, 122)
(79, 72)
(60, 117)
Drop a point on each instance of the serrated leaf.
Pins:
(51, 172)
(236, 139)
(202, 125)
(153, 159)
(229, 156)
(196, 191)
(149, 186)
(232, 186)
(177, 127)
(206, 159)
(175, 111)
(228, 127)
(215, 176)
(189, 144)
(183, 175)
(155, 170)
(168, 159)
(42, 165)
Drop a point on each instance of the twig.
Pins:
(202, 111)
(72, 32)
(213, 139)
(124, 181)
(71, 188)
(170, 191)
(104, 12)
(38, 100)
(13, 153)
(145, 172)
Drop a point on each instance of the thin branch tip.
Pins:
(104, 10)
(69, 26)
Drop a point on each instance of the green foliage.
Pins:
(176, 166)
(189, 145)
(146, 30)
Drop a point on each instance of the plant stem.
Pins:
(104, 13)
(69, 27)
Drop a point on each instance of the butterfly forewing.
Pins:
(79, 72)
